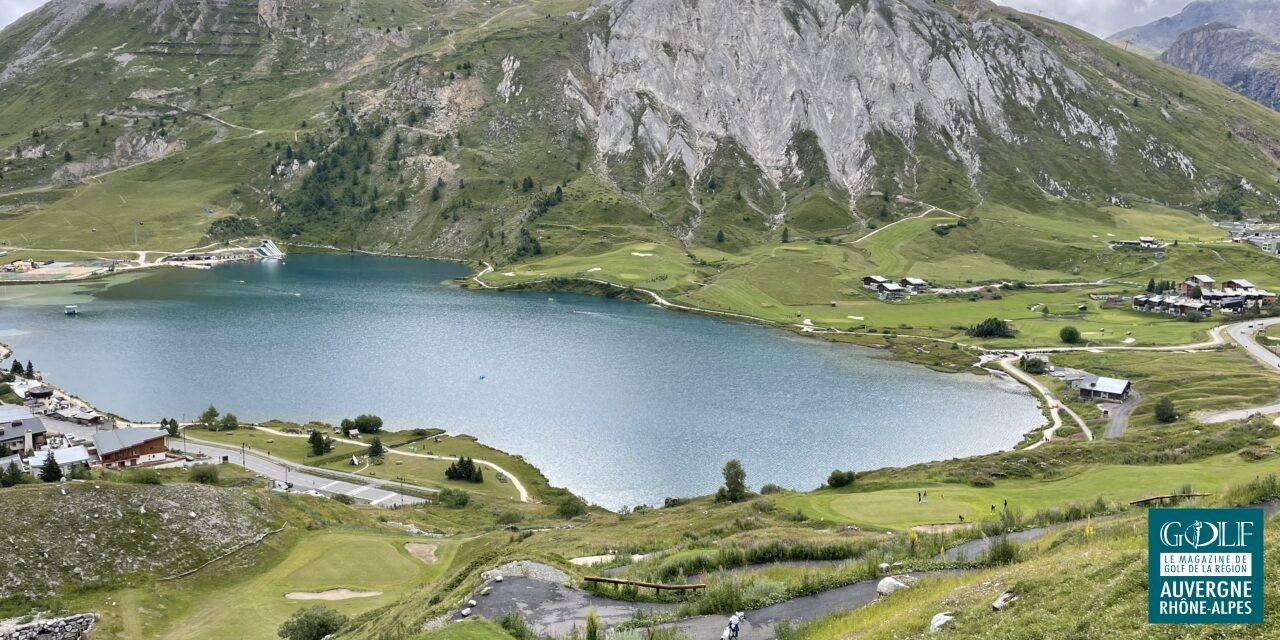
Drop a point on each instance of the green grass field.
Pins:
(419, 471)
(319, 562)
(897, 508)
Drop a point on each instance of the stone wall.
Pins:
(68, 628)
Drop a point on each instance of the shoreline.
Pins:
(606, 289)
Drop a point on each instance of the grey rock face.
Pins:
(1244, 60)
(678, 78)
(1262, 16)
(72, 627)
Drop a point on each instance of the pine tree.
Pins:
(376, 450)
(16, 368)
(720, 236)
(50, 471)
(31, 370)
(1151, 285)
(317, 442)
(786, 234)
(12, 475)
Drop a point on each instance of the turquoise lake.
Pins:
(621, 402)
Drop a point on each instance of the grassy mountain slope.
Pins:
(416, 148)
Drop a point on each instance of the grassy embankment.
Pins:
(415, 470)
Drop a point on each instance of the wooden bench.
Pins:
(1171, 497)
(657, 587)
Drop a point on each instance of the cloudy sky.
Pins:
(11, 10)
(1101, 17)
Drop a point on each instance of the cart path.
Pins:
(524, 493)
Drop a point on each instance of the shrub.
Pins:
(1033, 365)
(204, 474)
(509, 517)
(364, 423)
(981, 481)
(343, 498)
(735, 483)
(453, 498)
(770, 487)
(312, 623)
(143, 476)
(1165, 411)
(992, 328)
(1069, 335)
(571, 506)
(516, 626)
(840, 478)
(1002, 551)
(464, 468)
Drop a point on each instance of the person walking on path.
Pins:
(735, 622)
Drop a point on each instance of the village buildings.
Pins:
(20, 431)
(1200, 294)
(123, 448)
(890, 290)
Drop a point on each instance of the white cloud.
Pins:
(1100, 17)
(11, 10)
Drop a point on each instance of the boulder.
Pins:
(893, 583)
(884, 567)
(939, 621)
(1007, 598)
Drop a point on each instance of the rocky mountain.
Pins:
(1262, 16)
(1231, 41)
(1244, 60)
(507, 129)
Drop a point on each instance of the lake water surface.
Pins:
(621, 402)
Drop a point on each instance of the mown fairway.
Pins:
(898, 509)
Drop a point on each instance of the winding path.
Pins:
(524, 493)
(1055, 407)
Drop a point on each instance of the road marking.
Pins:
(326, 487)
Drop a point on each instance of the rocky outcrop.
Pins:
(131, 148)
(679, 78)
(72, 627)
(1262, 16)
(1245, 60)
(105, 531)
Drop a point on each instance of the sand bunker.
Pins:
(332, 594)
(422, 551)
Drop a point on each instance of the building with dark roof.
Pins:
(20, 431)
(131, 447)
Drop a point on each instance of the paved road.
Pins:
(1120, 415)
(555, 609)
(277, 469)
(1245, 334)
